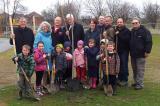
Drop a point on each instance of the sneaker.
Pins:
(123, 83)
(62, 86)
(39, 93)
(137, 87)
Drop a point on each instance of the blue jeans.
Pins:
(123, 74)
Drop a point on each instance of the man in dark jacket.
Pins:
(78, 31)
(58, 32)
(109, 30)
(123, 37)
(23, 35)
(140, 48)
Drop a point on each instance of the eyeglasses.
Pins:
(135, 23)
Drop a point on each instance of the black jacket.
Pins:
(123, 36)
(23, 36)
(92, 34)
(58, 36)
(78, 33)
(140, 42)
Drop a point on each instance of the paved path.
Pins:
(4, 44)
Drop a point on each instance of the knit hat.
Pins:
(80, 42)
(67, 44)
(59, 45)
(104, 41)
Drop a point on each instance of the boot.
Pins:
(94, 83)
(114, 89)
(20, 95)
(105, 89)
(90, 82)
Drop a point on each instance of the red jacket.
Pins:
(41, 64)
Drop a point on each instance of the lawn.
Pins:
(149, 96)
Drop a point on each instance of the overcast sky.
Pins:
(39, 5)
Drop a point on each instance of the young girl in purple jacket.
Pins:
(40, 66)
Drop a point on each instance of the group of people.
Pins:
(97, 56)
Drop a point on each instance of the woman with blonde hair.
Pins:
(44, 35)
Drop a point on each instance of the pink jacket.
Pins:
(78, 58)
(41, 64)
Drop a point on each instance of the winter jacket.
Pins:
(60, 61)
(95, 34)
(113, 63)
(140, 42)
(91, 54)
(78, 33)
(40, 62)
(123, 39)
(26, 63)
(58, 36)
(78, 58)
(110, 32)
(23, 36)
(46, 39)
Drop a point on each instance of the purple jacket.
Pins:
(41, 64)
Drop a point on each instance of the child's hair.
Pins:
(26, 47)
(111, 43)
(91, 40)
(40, 42)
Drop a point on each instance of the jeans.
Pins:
(123, 74)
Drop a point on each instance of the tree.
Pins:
(49, 14)
(95, 8)
(69, 7)
(151, 13)
(127, 11)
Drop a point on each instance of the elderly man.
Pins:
(123, 35)
(58, 33)
(140, 48)
(23, 35)
(74, 30)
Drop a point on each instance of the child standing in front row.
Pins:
(26, 61)
(113, 66)
(59, 59)
(92, 62)
(40, 67)
(79, 62)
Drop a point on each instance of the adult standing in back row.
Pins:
(78, 31)
(140, 48)
(123, 35)
(23, 35)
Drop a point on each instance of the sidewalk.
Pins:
(4, 44)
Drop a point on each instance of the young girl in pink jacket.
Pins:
(79, 61)
(40, 66)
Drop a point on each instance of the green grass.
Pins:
(149, 96)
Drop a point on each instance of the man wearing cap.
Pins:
(74, 30)
(140, 48)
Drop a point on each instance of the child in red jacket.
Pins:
(41, 65)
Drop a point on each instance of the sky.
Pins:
(39, 5)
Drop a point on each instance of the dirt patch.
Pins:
(7, 69)
(2, 104)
